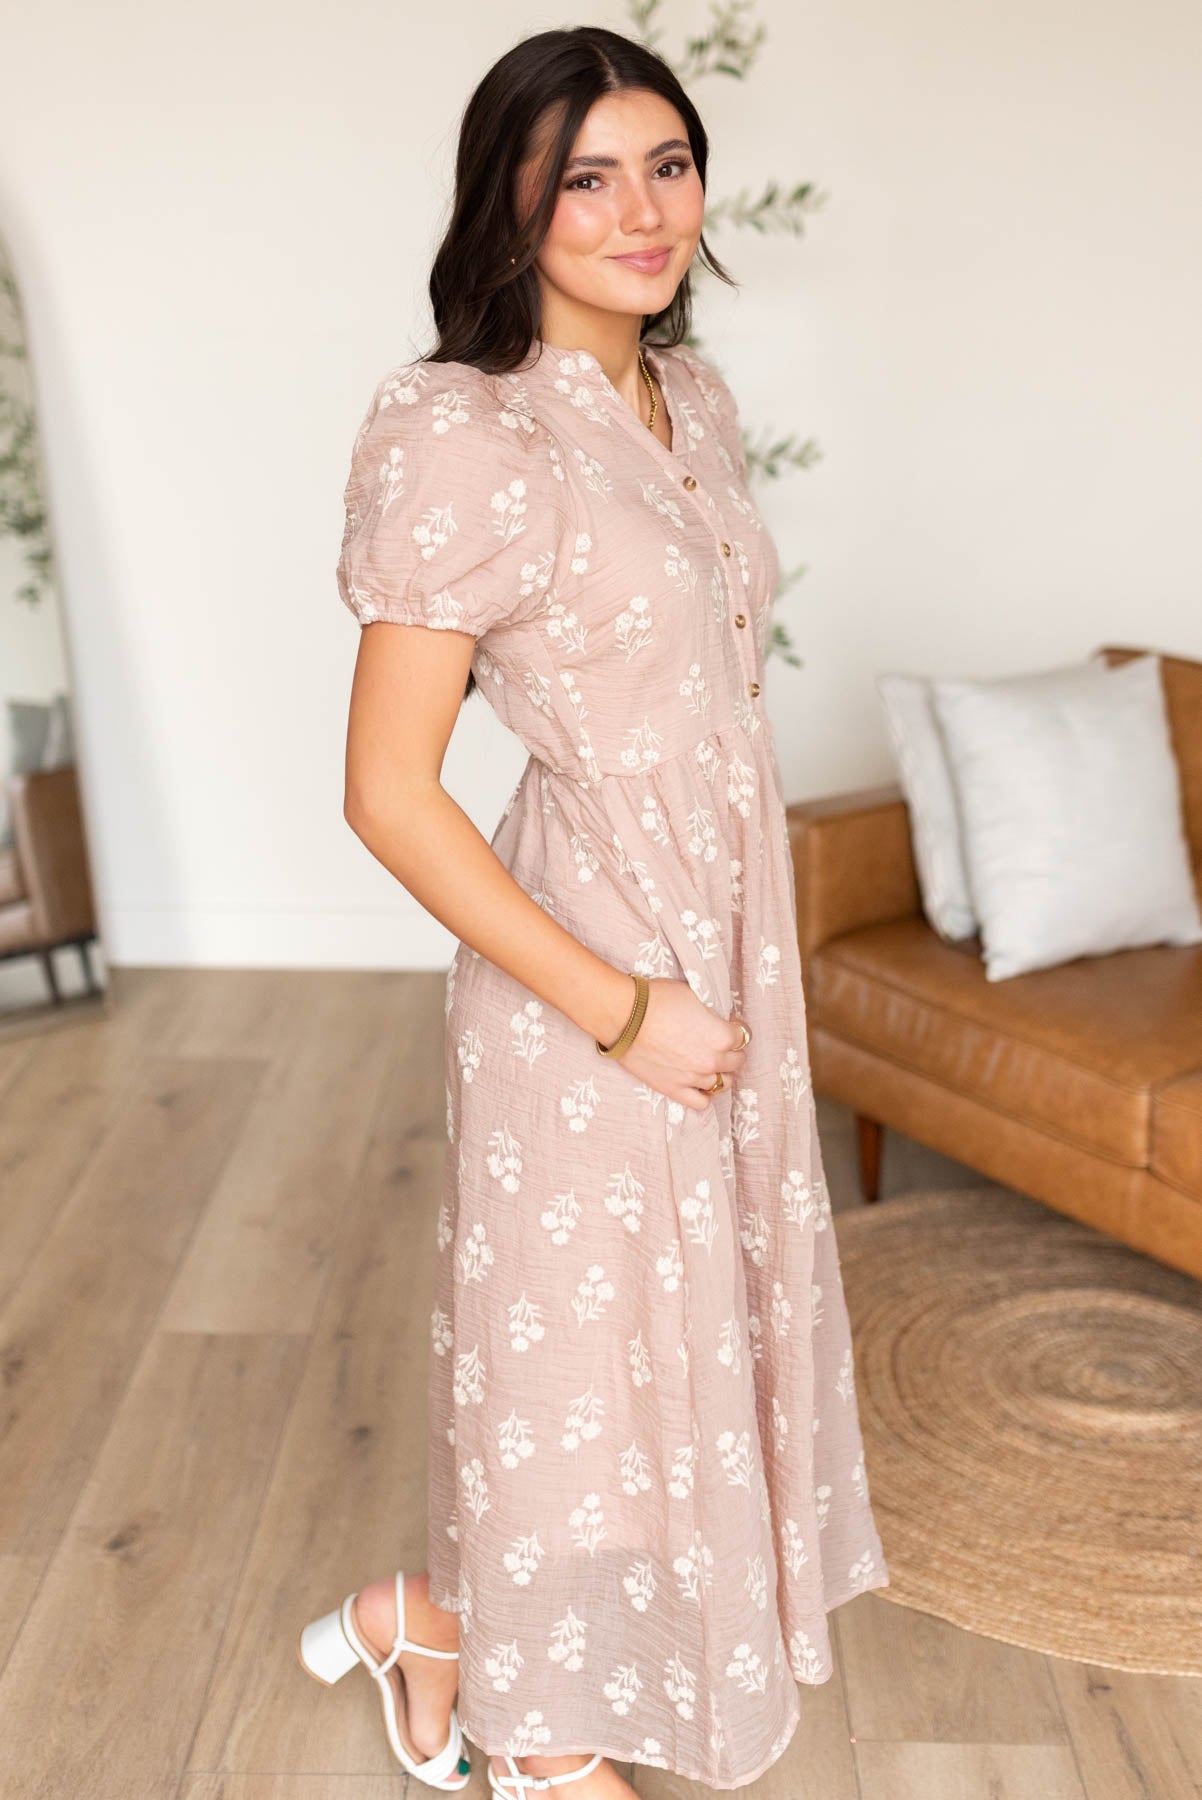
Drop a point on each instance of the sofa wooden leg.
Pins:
(869, 1135)
(46, 958)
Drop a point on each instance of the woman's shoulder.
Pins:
(454, 420)
(437, 398)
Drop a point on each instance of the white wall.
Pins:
(223, 220)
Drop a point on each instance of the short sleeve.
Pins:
(450, 518)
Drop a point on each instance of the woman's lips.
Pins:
(649, 264)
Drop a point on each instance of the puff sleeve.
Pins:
(451, 517)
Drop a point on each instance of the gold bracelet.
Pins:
(626, 1037)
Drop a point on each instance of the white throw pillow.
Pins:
(1070, 807)
(926, 781)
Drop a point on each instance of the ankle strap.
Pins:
(514, 1774)
(380, 1669)
(401, 1642)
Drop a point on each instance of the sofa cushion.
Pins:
(1177, 1134)
(1069, 797)
(1078, 1050)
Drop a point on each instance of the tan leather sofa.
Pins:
(1079, 1085)
(45, 888)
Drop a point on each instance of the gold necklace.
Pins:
(650, 390)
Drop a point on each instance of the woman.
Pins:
(646, 1478)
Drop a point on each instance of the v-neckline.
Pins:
(657, 364)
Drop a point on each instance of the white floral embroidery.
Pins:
(523, 1560)
(680, 1481)
(526, 1325)
(736, 1457)
(754, 1235)
(469, 1377)
(669, 1266)
(705, 934)
(501, 1665)
(529, 1033)
(746, 1667)
(475, 1487)
(504, 1162)
(514, 1440)
(632, 628)
(591, 1294)
(560, 1217)
(525, 1738)
(793, 1548)
(757, 1582)
(680, 1686)
(588, 1523)
(730, 1343)
(470, 1051)
(475, 1254)
(634, 1470)
(863, 1572)
(745, 1116)
(567, 1641)
(794, 1081)
(695, 1569)
(624, 1198)
(579, 1105)
(701, 1221)
(804, 1661)
(639, 1585)
(622, 1688)
(644, 746)
(584, 1419)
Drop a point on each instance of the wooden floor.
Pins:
(215, 1203)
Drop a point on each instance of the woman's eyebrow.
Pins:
(612, 162)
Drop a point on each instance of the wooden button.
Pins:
(690, 481)
(754, 688)
(725, 549)
(739, 619)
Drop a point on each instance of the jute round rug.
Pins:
(1030, 1393)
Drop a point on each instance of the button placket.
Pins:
(706, 506)
(671, 458)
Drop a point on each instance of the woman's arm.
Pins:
(405, 698)
(404, 702)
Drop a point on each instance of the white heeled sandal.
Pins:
(329, 1646)
(518, 1782)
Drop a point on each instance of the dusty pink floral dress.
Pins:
(646, 1477)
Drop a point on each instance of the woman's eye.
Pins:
(673, 162)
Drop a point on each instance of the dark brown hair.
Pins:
(487, 309)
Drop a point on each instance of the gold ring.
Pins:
(746, 1034)
(718, 1083)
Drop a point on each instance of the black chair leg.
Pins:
(46, 958)
(870, 1136)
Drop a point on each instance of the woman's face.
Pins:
(630, 187)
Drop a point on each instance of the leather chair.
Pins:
(1079, 1085)
(45, 890)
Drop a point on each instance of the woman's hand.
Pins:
(682, 1044)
